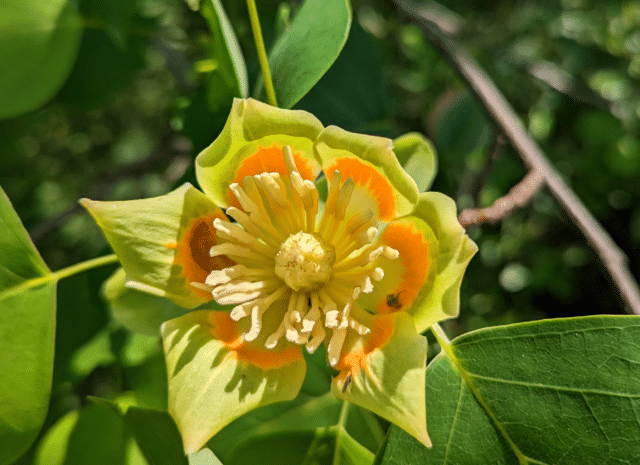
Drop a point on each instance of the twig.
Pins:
(505, 117)
(518, 196)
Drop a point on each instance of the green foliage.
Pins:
(113, 99)
(38, 45)
(522, 393)
(308, 47)
(27, 332)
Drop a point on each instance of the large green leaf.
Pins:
(225, 64)
(27, 333)
(154, 431)
(353, 94)
(306, 50)
(90, 435)
(307, 430)
(560, 391)
(38, 45)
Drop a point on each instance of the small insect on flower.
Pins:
(347, 382)
(393, 301)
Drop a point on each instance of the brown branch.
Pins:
(519, 195)
(505, 117)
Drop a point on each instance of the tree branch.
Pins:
(519, 195)
(505, 117)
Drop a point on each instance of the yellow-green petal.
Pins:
(251, 142)
(417, 156)
(385, 373)
(372, 164)
(215, 376)
(163, 242)
(434, 252)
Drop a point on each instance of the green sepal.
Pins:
(252, 124)
(392, 383)
(138, 311)
(209, 386)
(334, 142)
(144, 234)
(417, 156)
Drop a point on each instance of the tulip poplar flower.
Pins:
(307, 236)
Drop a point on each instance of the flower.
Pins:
(355, 259)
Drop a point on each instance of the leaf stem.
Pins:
(60, 274)
(440, 335)
(262, 53)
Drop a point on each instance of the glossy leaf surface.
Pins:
(27, 333)
(38, 45)
(551, 392)
(306, 50)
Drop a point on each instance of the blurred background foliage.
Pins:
(136, 108)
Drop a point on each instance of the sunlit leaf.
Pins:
(160, 444)
(38, 45)
(91, 435)
(227, 72)
(306, 50)
(353, 94)
(559, 391)
(27, 333)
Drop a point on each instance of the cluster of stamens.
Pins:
(282, 253)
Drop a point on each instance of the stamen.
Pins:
(335, 345)
(238, 251)
(343, 198)
(281, 254)
(234, 233)
(270, 233)
(288, 160)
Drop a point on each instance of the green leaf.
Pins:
(27, 333)
(293, 433)
(324, 446)
(109, 56)
(154, 431)
(462, 126)
(91, 435)
(418, 158)
(306, 50)
(353, 94)
(225, 64)
(38, 45)
(559, 391)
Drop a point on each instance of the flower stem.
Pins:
(60, 274)
(262, 53)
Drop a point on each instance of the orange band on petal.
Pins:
(355, 359)
(269, 160)
(369, 178)
(414, 260)
(193, 248)
(224, 329)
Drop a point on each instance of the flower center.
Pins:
(294, 274)
(305, 261)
